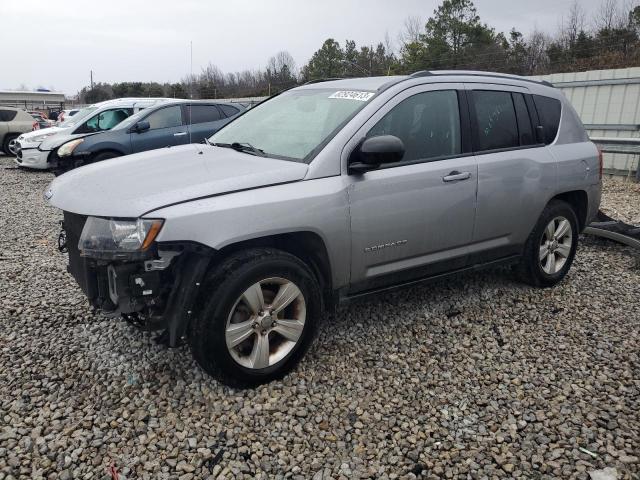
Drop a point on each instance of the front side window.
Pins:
(202, 114)
(427, 123)
(496, 125)
(295, 124)
(165, 118)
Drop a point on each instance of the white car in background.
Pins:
(66, 115)
(34, 148)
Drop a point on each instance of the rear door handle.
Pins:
(179, 134)
(456, 176)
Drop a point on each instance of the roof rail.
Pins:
(472, 73)
(320, 80)
(421, 73)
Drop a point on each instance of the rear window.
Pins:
(7, 115)
(496, 125)
(549, 113)
(228, 110)
(202, 114)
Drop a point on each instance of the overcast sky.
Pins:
(56, 43)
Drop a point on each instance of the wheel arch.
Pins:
(579, 201)
(308, 246)
(108, 149)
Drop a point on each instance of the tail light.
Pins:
(601, 162)
(35, 126)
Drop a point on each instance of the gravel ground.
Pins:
(475, 377)
(616, 202)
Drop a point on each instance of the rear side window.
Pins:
(202, 114)
(165, 118)
(549, 113)
(496, 124)
(228, 110)
(525, 129)
(427, 123)
(7, 115)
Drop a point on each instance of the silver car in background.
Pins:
(325, 193)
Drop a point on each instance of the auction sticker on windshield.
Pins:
(352, 95)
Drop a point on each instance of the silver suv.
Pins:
(324, 193)
(13, 122)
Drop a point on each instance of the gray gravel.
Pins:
(475, 377)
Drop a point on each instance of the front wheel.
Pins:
(551, 246)
(10, 146)
(257, 315)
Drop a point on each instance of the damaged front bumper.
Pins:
(160, 287)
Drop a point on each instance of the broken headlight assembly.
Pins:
(118, 239)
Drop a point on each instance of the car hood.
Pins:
(55, 141)
(137, 184)
(42, 131)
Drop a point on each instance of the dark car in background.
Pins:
(165, 125)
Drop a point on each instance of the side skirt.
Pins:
(344, 298)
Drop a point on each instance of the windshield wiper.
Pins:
(242, 147)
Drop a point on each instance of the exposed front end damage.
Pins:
(155, 288)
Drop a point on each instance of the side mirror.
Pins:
(141, 126)
(375, 151)
(540, 134)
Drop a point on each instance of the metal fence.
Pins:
(624, 146)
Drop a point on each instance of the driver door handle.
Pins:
(180, 134)
(456, 176)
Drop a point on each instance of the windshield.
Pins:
(294, 124)
(70, 122)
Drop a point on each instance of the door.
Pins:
(516, 175)
(415, 218)
(166, 129)
(203, 121)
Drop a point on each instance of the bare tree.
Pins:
(537, 61)
(612, 15)
(575, 24)
(411, 31)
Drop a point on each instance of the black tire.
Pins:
(8, 139)
(104, 156)
(531, 269)
(220, 293)
(69, 164)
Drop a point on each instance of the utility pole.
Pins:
(91, 73)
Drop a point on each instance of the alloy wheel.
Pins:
(13, 146)
(555, 245)
(265, 323)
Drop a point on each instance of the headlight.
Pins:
(117, 239)
(68, 148)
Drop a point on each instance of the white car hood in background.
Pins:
(43, 131)
(137, 184)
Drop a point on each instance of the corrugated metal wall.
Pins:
(608, 101)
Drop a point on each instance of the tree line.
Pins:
(453, 37)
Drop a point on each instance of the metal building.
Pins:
(32, 100)
(608, 102)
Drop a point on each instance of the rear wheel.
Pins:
(258, 315)
(10, 145)
(551, 246)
